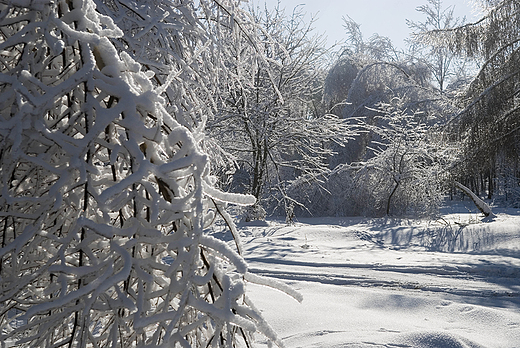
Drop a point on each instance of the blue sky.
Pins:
(385, 17)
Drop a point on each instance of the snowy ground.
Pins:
(454, 282)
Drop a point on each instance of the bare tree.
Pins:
(268, 116)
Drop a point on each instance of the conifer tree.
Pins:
(489, 125)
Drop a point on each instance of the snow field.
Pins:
(390, 282)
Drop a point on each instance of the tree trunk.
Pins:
(481, 205)
(490, 184)
(390, 198)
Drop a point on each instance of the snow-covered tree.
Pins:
(489, 125)
(104, 197)
(444, 65)
(405, 175)
(376, 47)
(267, 115)
(355, 84)
(181, 42)
(338, 81)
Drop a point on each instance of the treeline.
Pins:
(374, 130)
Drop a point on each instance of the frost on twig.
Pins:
(103, 200)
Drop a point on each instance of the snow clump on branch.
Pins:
(104, 199)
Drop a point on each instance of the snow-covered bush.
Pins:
(253, 213)
(104, 198)
(404, 176)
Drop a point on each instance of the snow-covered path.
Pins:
(390, 283)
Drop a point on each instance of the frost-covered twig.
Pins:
(37, 5)
(104, 198)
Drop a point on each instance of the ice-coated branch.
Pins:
(38, 5)
(104, 196)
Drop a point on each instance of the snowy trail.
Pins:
(390, 283)
(424, 279)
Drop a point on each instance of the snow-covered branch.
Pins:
(104, 196)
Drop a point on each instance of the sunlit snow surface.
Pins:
(453, 282)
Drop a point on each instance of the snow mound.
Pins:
(436, 340)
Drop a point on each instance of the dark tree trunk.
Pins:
(390, 198)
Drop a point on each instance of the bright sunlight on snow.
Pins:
(391, 282)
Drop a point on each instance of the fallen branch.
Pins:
(481, 205)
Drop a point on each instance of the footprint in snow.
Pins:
(466, 309)
(444, 303)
